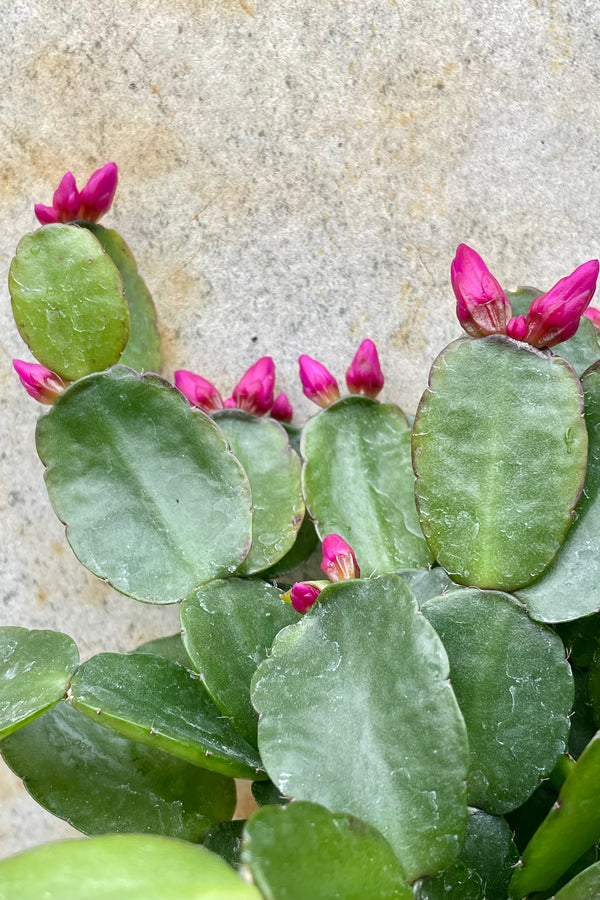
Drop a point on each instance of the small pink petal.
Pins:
(318, 383)
(66, 198)
(41, 383)
(481, 305)
(229, 403)
(200, 392)
(554, 317)
(364, 376)
(339, 562)
(303, 595)
(517, 328)
(282, 408)
(254, 390)
(46, 215)
(593, 314)
(98, 194)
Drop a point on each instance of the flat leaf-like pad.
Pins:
(153, 499)
(356, 713)
(35, 670)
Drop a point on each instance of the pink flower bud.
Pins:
(229, 403)
(517, 328)
(593, 314)
(282, 408)
(481, 305)
(200, 392)
(303, 595)
(339, 562)
(40, 383)
(98, 194)
(318, 383)
(65, 203)
(254, 390)
(364, 375)
(554, 317)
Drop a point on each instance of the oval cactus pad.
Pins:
(500, 452)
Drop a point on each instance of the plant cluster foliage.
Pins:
(418, 718)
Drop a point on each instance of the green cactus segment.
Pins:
(581, 637)
(153, 499)
(121, 867)
(571, 827)
(273, 469)
(583, 724)
(499, 450)
(152, 700)
(143, 352)
(514, 688)
(358, 482)
(303, 548)
(593, 688)
(101, 782)
(357, 695)
(68, 301)
(569, 588)
(585, 885)
(267, 794)
(225, 840)
(303, 850)
(35, 671)
(170, 647)
(428, 583)
(228, 629)
(484, 865)
(581, 350)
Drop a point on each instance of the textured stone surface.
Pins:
(294, 177)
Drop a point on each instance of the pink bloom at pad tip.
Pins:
(593, 314)
(282, 409)
(554, 317)
(200, 392)
(254, 391)
(90, 204)
(517, 328)
(318, 383)
(303, 595)
(339, 562)
(481, 305)
(40, 383)
(364, 375)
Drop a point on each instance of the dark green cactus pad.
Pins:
(143, 352)
(514, 688)
(356, 714)
(225, 839)
(581, 637)
(153, 499)
(68, 301)
(303, 850)
(571, 827)
(499, 451)
(101, 782)
(121, 867)
(149, 699)
(581, 350)
(35, 671)
(273, 469)
(569, 588)
(358, 482)
(428, 583)
(585, 885)
(170, 647)
(483, 868)
(583, 725)
(267, 794)
(300, 552)
(228, 628)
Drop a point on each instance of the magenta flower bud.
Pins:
(339, 562)
(554, 317)
(40, 383)
(481, 305)
(517, 328)
(593, 314)
(65, 203)
(303, 595)
(282, 408)
(364, 375)
(229, 403)
(96, 197)
(200, 392)
(254, 390)
(318, 383)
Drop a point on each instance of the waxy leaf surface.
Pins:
(499, 450)
(305, 852)
(358, 482)
(153, 700)
(228, 628)
(356, 713)
(121, 867)
(515, 690)
(68, 301)
(153, 499)
(35, 671)
(170, 647)
(585, 885)
(101, 782)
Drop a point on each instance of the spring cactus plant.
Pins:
(418, 712)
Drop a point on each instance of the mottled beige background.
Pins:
(295, 176)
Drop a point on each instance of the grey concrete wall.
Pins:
(294, 177)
